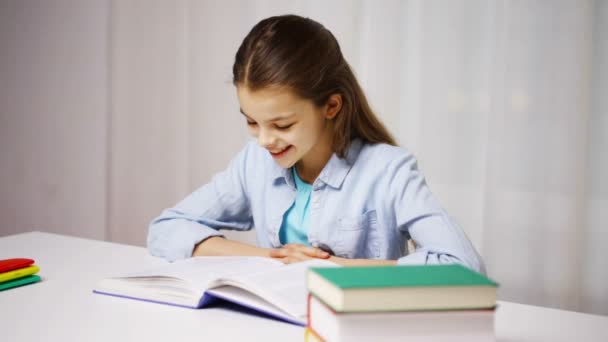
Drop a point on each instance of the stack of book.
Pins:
(398, 303)
(17, 272)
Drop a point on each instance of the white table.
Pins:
(63, 308)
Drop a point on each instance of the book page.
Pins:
(200, 272)
(285, 286)
(247, 299)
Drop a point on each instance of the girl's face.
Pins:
(289, 127)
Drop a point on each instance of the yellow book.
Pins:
(22, 272)
(311, 336)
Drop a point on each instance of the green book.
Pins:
(402, 288)
(19, 282)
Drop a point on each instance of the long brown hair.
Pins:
(303, 56)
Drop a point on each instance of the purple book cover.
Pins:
(213, 300)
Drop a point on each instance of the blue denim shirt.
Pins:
(365, 205)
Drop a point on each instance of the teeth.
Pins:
(279, 151)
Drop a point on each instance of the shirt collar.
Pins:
(334, 172)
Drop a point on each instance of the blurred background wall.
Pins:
(111, 111)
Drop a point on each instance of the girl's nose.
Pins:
(266, 139)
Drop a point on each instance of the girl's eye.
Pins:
(251, 123)
(282, 128)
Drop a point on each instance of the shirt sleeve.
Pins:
(438, 239)
(222, 203)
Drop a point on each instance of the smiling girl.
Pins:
(325, 179)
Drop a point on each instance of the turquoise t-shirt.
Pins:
(297, 219)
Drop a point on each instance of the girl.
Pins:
(325, 179)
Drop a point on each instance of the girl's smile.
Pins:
(281, 153)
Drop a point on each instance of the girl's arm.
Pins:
(222, 203)
(437, 237)
(191, 228)
(219, 246)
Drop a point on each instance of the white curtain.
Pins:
(500, 100)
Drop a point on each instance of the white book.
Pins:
(265, 285)
(420, 326)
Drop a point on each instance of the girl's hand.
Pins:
(362, 262)
(294, 252)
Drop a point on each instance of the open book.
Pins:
(262, 284)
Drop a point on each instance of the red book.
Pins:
(14, 264)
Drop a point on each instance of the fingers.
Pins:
(278, 253)
(287, 256)
(310, 251)
(295, 252)
(288, 253)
